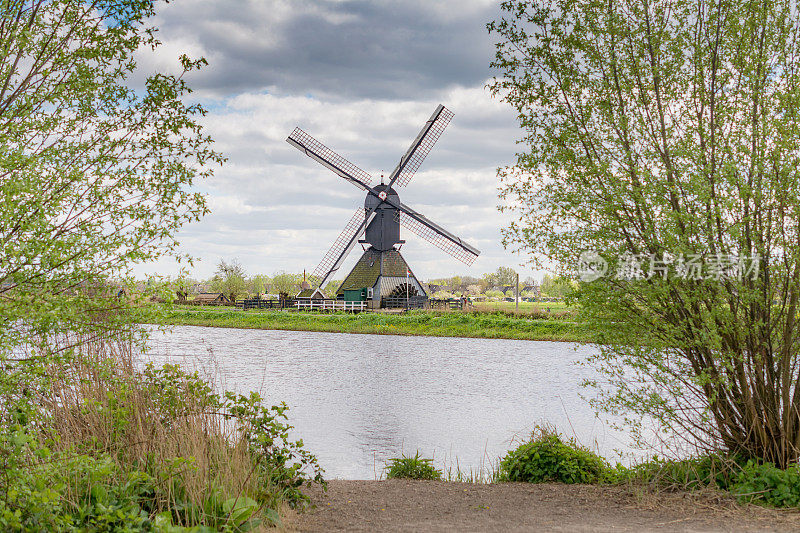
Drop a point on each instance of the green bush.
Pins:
(765, 483)
(547, 458)
(411, 468)
(688, 474)
(750, 481)
(69, 492)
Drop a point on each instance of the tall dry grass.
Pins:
(109, 405)
(93, 399)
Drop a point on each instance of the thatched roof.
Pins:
(211, 297)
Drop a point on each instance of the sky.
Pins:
(362, 77)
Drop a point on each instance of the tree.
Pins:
(330, 289)
(443, 295)
(467, 281)
(230, 279)
(286, 283)
(454, 284)
(556, 287)
(182, 287)
(474, 289)
(258, 284)
(661, 152)
(502, 276)
(95, 174)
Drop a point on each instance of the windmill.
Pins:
(382, 273)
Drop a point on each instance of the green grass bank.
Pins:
(426, 323)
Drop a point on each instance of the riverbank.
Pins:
(438, 324)
(439, 506)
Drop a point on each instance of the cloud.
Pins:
(337, 49)
(273, 208)
(361, 77)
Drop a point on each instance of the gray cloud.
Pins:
(343, 49)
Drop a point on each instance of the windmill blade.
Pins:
(421, 147)
(437, 235)
(341, 247)
(328, 158)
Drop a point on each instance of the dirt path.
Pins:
(399, 505)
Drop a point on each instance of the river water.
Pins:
(357, 400)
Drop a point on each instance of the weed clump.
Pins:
(767, 484)
(412, 468)
(547, 458)
(749, 480)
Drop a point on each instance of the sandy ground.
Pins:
(400, 505)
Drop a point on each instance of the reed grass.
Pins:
(103, 404)
(157, 446)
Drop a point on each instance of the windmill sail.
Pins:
(341, 247)
(328, 158)
(437, 235)
(380, 220)
(421, 147)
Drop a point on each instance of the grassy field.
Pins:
(442, 324)
(524, 307)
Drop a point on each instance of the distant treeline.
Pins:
(231, 280)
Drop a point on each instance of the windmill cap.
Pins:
(372, 202)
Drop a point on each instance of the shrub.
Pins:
(687, 474)
(547, 458)
(749, 481)
(412, 468)
(765, 483)
(89, 442)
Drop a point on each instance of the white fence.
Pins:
(330, 305)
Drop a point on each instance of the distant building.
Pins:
(310, 294)
(533, 289)
(211, 298)
(307, 293)
(434, 287)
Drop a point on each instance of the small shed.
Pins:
(307, 293)
(211, 298)
(310, 294)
